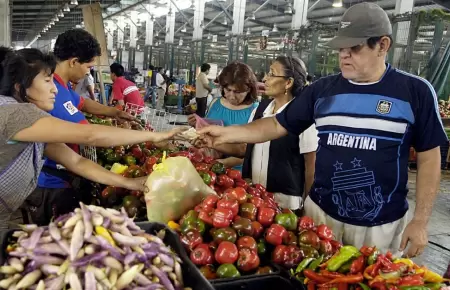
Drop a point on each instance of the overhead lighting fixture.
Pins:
(192, 6)
(170, 12)
(248, 31)
(275, 28)
(253, 17)
(225, 22)
(288, 9)
(74, 2)
(183, 29)
(39, 35)
(66, 8)
(52, 22)
(337, 3)
(209, 36)
(227, 33)
(56, 19)
(157, 33)
(202, 25)
(60, 14)
(180, 43)
(222, 0)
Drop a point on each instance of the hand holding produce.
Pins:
(91, 248)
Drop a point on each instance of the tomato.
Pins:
(305, 223)
(266, 216)
(254, 192)
(257, 229)
(226, 253)
(231, 204)
(247, 242)
(279, 254)
(275, 234)
(202, 255)
(259, 202)
(260, 188)
(324, 232)
(237, 193)
(222, 217)
(234, 174)
(210, 201)
(202, 167)
(206, 216)
(248, 260)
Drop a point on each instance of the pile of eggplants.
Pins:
(92, 248)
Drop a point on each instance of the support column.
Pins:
(5, 21)
(133, 39)
(199, 15)
(131, 57)
(401, 30)
(238, 17)
(146, 61)
(120, 27)
(148, 41)
(299, 14)
(170, 24)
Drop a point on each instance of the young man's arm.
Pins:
(90, 87)
(205, 82)
(308, 147)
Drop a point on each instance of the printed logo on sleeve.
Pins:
(70, 108)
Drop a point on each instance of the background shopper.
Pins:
(202, 89)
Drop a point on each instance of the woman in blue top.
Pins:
(238, 100)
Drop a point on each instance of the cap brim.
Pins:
(339, 42)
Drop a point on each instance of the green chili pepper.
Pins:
(346, 253)
(414, 288)
(262, 248)
(227, 271)
(316, 263)
(373, 257)
(287, 220)
(435, 286)
(303, 264)
(344, 269)
(364, 286)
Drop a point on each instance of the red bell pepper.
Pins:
(257, 229)
(234, 174)
(324, 232)
(266, 216)
(237, 193)
(248, 210)
(275, 234)
(231, 204)
(202, 255)
(191, 239)
(222, 217)
(254, 192)
(225, 181)
(260, 187)
(208, 160)
(279, 254)
(226, 253)
(206, 216)
(213, 177)
(241, 183)
(210, 201)
(248, 260)
(294, 256)
(305, 223)
(257, 201)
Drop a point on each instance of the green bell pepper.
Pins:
(191, 221)
(206, 177)
(218, 168)
(316, 263)
(346, 253)
(287, 220)
(224, 234)
(227, 271)
(303, 264)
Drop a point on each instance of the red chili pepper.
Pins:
(349, 279)
(376, 268)
(311, 286)
(357, 265)
(367, 251)
(378, 286)
(316, 277)
(342, 286)
(384, 261)
(411, 280)
(331, 275)
(389, 255)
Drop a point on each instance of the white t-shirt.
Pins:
(200, 83)
(260, 157)
(82, 86)
(160, 81)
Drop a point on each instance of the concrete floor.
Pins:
(437, 254)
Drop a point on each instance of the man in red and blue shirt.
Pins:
(76, 51)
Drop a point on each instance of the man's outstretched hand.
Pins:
(124, 116)
(415, 237)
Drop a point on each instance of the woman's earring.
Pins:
(285, 92)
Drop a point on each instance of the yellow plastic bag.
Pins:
(173, 188)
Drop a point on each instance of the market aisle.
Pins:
(437, 254)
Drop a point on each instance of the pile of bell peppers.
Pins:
(364, 269)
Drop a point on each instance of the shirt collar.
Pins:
(59, 80)
(269, 109)
(388, 66)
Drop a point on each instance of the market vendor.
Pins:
(367, 117)
(239, 92)
(288, 173)
(27, 91)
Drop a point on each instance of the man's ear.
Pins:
(17, 88)
(385, 44)
(73, 61)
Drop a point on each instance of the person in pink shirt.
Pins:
(124, 91)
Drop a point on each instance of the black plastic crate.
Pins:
(260, 282)
(191, 275)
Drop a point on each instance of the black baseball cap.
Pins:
(359, 23)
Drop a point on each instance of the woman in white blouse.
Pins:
(286, 165)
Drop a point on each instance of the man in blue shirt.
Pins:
(368, 117)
